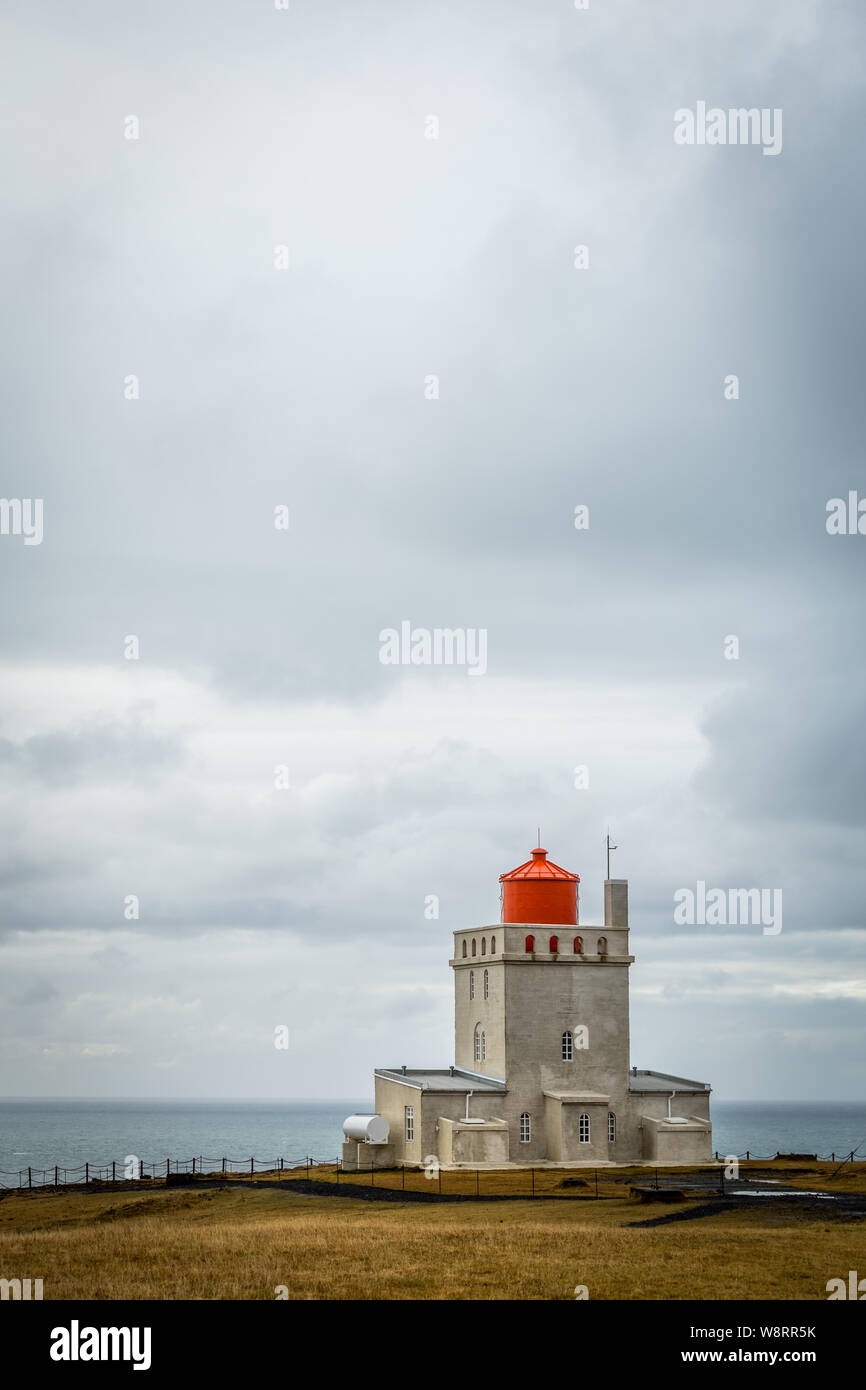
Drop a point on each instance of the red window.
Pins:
(530, 943)
(578, 945)
(554, 945)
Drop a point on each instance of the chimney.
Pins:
(616, 902)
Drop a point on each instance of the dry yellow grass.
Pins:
(243, 1243)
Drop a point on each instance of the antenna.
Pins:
(609, 848)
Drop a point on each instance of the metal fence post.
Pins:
(86, 1174)
(29, 1177)
(193, 1164)
(167, 1167)
(55, 1177)
(252, 1162)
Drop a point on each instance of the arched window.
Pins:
(611, 1127)
(478, 1042)
(525, 1128)
(474, 952)
(578, 946)
(484, 945)
(486, 984)
(554, 945)
(530, 943)
(471, 984)
(583, 1128)
(602, 945)
(493, 945)
(483, 1046)
(464, 950)
(567, 1046)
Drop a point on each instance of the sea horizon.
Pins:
(38, 1133)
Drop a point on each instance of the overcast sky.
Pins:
(411, 257)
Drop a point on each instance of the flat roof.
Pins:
(580, 1097)
(448, 1079)
(663, 1081)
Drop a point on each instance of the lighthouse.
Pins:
(541, 1068)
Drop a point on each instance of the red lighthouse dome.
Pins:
(539, 891)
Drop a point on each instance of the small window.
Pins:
(554, 945)
(578, 946)
(525, 1128)
(484, 945)
(464, 950)
(483, 1046)
(410, 1123)
(567, 1046)
(493, 945)
(602, 945)
(471, 984)
(487, 984)
(583, 1128)
(477, 1043)
(474, 951)
(611, 1127)
(530, 943)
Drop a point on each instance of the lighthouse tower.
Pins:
(543, 1003)
(541, 1060)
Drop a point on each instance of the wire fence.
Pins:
(134, 1169)
(431, 1178)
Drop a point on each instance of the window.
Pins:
(602, 945)
(493, 945)
(525, 1128)
(583, 1128)
(484, 945)
(567, 1046)
(478, 1042)
(578, 946)
(611, 1127)
(474, 951)
(530, 943)
(464, 950)
(486, 984)
(410, 1123)
(554, 945)
(471, 984)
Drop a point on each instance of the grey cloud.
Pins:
(558, 387)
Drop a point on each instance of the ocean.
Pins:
(38, 1134)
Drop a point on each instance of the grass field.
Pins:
(244, 1242)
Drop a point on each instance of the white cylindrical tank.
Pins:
(366, 1129)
